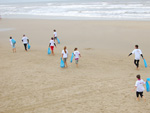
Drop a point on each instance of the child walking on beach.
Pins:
(139, 87)
(25, 41)
(55, 36)
(137, 53)
(76, 54)
(51, 45)
(13, 42)
(65, 55)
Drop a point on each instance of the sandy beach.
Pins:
(33, 82)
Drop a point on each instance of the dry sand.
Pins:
(33, 82)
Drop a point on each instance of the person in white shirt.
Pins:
(55, 35)
(138, 54)
(139, 87)
(25, 41)
(65, 55)
(51, 45)
(76, 55)
(12, 44)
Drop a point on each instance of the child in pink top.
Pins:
(76, 54)
(139, 87)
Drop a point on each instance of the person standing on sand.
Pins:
(76, 54)
(65, 56)
(25, 41)
(13, 42)
(55, 36)
(137, 53)
(51, 45)
(139, 87)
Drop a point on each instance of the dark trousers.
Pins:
(139, 93)
(136, 62)
(25, 46)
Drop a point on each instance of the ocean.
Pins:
(76, 9)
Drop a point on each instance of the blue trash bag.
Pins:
(72, 57)
(29, 46)
(13, 41)
(147, 85)
(58, 40)
(145, 63)
(62, 64)
(49, 51)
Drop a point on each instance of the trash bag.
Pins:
(13, 41)
(147, 85)
(145, 63)
(71, 57)
(29, 46)
(49, 51)
(58, 41)
(62, 64)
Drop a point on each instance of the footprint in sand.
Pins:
(88, 48)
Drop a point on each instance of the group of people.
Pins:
(140, 82)
(64, 52)
(25, 41)
(52, 43)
